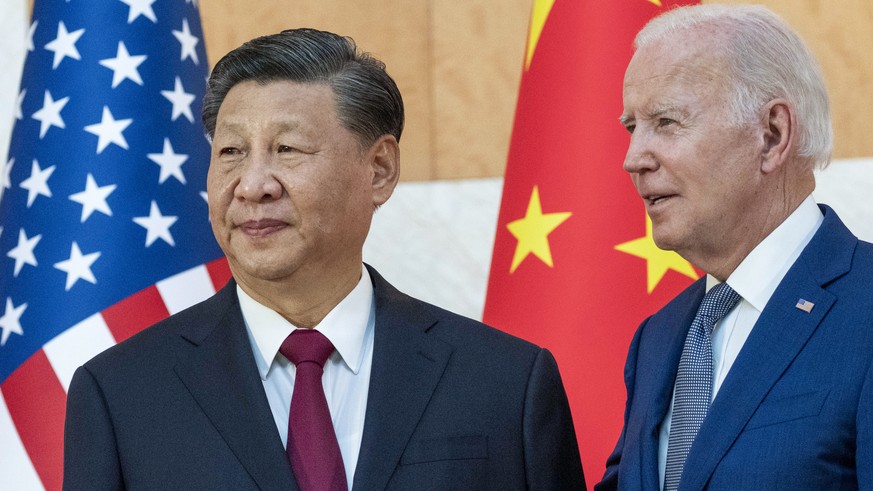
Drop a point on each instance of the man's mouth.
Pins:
(655, 199)
(262, 227)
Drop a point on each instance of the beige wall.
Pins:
(458, 65)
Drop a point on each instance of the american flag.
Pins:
(103, 219)
(805, 305)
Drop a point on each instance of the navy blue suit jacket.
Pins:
(796, 409)
(452, 404)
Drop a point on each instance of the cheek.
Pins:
(221, 181)
(219, 195)
(213, 182)
(346, 207)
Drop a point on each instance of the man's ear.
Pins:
(384, 157)
(780, 127)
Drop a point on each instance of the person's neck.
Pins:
(723, 260)
(303, 300)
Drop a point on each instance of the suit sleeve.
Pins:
(90, 452)
(551, 452)
(610, 477)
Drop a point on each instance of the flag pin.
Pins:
(805, 305)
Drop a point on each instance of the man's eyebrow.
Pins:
(660, 111)
(653, 113)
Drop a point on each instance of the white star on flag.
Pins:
(23, 252)
(188, 41)
(5, 180)
(108, 130)
(50, 113)
(93, 198)
(124, 66)
(181, 101)
(29, 41)
(78, 267)
(9, 323)
(18, 114)
(140, 7)
(64, 45)
(170, 162)
(37, 183)
(157, 226)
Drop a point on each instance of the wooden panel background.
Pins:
(458, 65)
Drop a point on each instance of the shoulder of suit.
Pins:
(465, 332)
(161, 337)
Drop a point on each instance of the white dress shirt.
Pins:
(755, 279)
(350, 327)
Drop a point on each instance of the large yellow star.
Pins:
(533, 230)
(658, 261)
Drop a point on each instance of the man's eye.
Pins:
(630, 128)
(228, 151)
(665, 122)
(285, 148)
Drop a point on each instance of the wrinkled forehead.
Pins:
(688, 63)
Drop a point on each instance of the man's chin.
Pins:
(665, 239)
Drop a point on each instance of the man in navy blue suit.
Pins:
(760, 375)
(234, 393)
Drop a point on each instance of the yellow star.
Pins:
(538, 16)
(656, 2)
(658, 261)
(533, 230)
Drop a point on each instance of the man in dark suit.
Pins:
(309, 371)
(759, 376)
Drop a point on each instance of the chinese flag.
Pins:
(574, 267)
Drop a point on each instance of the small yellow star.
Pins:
(658, 261)
(533, 230)
(656, 2)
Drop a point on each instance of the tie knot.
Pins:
(306, 345)
(718, 301)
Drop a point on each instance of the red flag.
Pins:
(574, 267)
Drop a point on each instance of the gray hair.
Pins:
(368, 102)
(766, 59)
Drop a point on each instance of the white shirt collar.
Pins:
(344, 325)
(758, 275)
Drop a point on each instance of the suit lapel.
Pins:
(778, 337)
(407, 366)
(675, 320)
(221, 375)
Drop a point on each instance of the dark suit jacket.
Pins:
(796, 409)
(453, 404)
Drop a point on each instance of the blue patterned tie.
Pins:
(694, 380)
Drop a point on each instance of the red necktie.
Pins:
(312, 446)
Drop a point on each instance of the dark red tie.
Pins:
(312, 447)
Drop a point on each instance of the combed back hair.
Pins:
(368, 102)
(765, 60)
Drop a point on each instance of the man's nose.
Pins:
(640, 155)
(258, 181)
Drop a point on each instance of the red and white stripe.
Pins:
(33, 398)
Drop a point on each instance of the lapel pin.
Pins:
(805, 305)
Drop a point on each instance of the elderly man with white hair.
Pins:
(760, 375)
